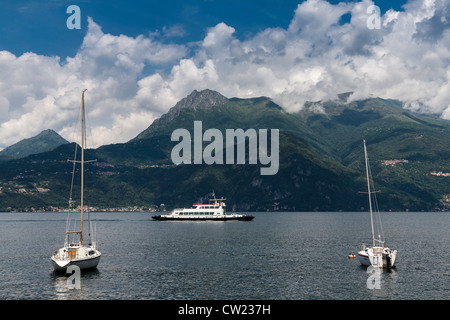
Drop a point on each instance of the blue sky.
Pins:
(139, 58)
(40, 26)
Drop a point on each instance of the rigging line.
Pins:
(75, 129)
(378, 216)
(73, 176)
(86, 193)
(71, 191)
(86, 197)
(369, 191)
(91, 232)
(377, 210)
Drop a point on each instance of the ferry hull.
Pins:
(207, 218)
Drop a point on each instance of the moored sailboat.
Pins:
(74, 251)
(378, 255)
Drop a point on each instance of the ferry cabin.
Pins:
(199, 209)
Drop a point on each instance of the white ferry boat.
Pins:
(215, 211)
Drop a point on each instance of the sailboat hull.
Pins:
(378, 257)
(83, 257)
(364, 258)
(84, 264)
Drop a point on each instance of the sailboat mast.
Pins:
(82, 165)
(368, 191)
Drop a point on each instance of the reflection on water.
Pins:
(63, 284)
(294, 256)
(378, 277)
(61, 289)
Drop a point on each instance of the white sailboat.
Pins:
(378, 255)
(74, 251)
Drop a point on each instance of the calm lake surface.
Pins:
(281, 256)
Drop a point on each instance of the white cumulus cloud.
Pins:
(317, 56)
(39, 92)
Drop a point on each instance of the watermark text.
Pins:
(74, 280)
(74, 21)
(213, 153)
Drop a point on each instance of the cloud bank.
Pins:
(319, 55)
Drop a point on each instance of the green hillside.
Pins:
(44, 141)
(404, 147)
(321, 161)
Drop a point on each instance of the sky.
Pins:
(138, 58)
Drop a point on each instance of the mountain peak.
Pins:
(44, 141)
(205, 99)
(201, 99)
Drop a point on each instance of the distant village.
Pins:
(400, 161)
(14, 186)
(34, 188)
(440, 174)
(393, 162)
(122, 209)
(445, 201)
(91, 209)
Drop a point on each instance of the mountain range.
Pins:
(321, 161)
(46, 140)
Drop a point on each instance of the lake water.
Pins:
(277, 256)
